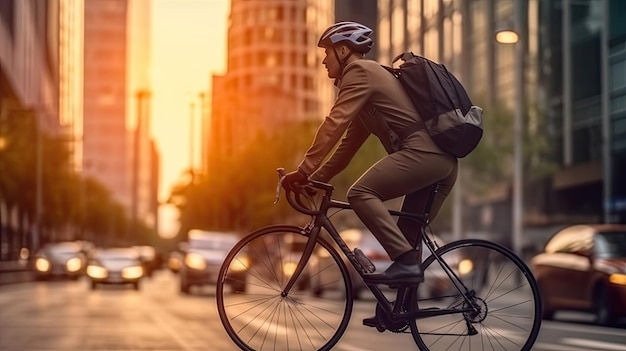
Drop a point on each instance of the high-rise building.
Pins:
(274, 76)
(29, 86)
(71, 16)
(117, 146)
(573, 91)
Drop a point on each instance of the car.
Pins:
(175, 257)
(583, 268)
(203, 257)
(354, 238)
(119, 265)
(60, 259)
(149, 258)
(436, 281)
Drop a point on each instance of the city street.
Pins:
(67, 315)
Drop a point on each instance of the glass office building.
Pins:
(574, 93)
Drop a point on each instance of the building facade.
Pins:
(273, 76)
(117, 145)
(29, 86)
(573, 86)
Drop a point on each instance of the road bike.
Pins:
(477, 294)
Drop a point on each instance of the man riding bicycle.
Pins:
(406, 171)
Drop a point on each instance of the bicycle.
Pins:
(477, 295)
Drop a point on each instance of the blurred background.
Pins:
(134, 121)
(131, 123)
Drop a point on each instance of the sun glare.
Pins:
(188, 45)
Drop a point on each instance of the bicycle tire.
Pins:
(498, 282)
(262, 317)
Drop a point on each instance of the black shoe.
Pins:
(397, 274)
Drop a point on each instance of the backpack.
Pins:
(446, 111)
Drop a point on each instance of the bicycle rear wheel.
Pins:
(499, 289)
(264, 317)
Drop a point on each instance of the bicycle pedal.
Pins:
(364, 261)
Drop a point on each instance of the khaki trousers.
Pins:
(406, 173)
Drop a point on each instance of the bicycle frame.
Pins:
(394, 311)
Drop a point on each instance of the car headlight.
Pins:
(618, 278)
(74, 264)
(466, 266)
(134, 272)
(42, 264)
(97, 272)
(240, 264)
(195, 261)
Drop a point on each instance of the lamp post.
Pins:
(192, 141)
(513, 36)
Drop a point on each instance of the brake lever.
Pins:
(279, 187)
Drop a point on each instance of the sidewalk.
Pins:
(14, 272)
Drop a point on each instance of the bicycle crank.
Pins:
(386, 323)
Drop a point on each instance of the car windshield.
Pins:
(611, 245)
(212, 244)
(126, 260)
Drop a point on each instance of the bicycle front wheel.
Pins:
(256, 311)
(495, 294)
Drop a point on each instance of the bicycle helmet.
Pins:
(355, 35)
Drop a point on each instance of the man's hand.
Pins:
(295, 180)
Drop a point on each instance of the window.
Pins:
(611, 245)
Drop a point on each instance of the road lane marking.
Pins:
(600, 345)
(555, 347)
(593, 329)
(349, 347)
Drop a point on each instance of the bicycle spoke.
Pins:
(267, 318)
(500, 308)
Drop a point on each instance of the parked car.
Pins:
(115, 266)
(205, 252)
(583, 268)
(436, 281)
(61, 259)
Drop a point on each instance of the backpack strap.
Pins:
(395, 138)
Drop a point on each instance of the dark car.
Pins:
(115, 266)
(62, 259)
(205, 252)
(583, 268)
(149, 258)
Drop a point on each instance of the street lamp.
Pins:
(513, 36)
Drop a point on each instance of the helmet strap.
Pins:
(342, 63)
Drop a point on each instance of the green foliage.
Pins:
(68, 202)
(239, 191)
(238, 194)
(490, 162)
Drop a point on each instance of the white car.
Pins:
(62, 259)
(204, 254)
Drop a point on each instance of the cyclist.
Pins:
(408, 171)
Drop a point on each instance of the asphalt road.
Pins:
(67, 315)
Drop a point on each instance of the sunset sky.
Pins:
(188, 45)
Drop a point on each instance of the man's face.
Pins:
(331, 63)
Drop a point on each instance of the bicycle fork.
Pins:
(313, 233)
